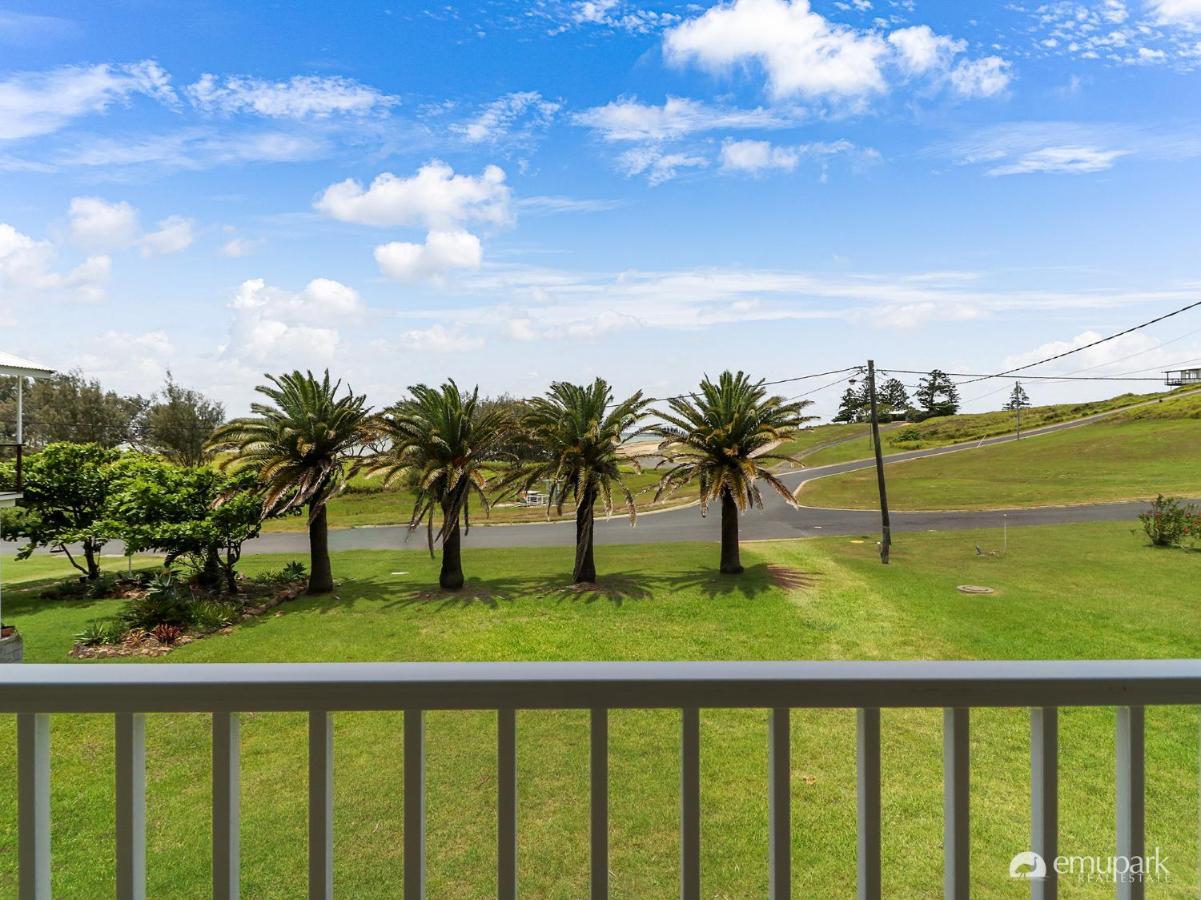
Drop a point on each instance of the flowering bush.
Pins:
(1169, 522)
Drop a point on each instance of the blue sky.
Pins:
(510, 193)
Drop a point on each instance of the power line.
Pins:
(976, 376)
(1088, 346)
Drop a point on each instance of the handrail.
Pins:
(290, 687)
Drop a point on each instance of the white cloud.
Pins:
(629, 120)
(618, 15)
(174, 234)
(276, 327)
(94, 222)
(441, 252)
(756, 157)
(802, 52)
(435, 197)
(36, 103)
(192, 149)
(921, 50)
(237, 247)
(657, 165)
(301, 97)
(981, 77)
(500, 118)
(1060, 161)
(26, 268)
(437, 339)
(1175, 11)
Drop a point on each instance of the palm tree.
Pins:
(442, 439)
(721, 438)
(299, 445)
(579, 428)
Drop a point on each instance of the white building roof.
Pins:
(11, 364)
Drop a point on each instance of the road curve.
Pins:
(775, 521)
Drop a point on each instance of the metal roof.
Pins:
(11, 364)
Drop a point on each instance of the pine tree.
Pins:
(1018, 399)
(894, 400)
(937, 394)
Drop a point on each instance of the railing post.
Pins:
(131, 805)
(1131, 799)
(690, 804)
(779, 766)
(414, 804)
(1044, 797)
(599, 765)
(227, 809)
(321, 806)
(506, 804)
(956, 833)
(867, 752)
(33, 806)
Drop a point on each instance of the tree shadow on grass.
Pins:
(614, 588)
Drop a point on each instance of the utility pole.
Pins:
(886, 538)
(1019, 437)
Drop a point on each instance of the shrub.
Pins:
(211, 615)
(167, 634)
(1169, 522)
(164, 604)
(95, 633)
(292, 572)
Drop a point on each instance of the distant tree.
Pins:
(184, 512)
(444, 438)
(720, 438)
(67, 407)
(937, 395)
(579, 429)
(66, 490)
(850, 407)
(299, 446)
(893, 400)
(512, 443)
(179, 422)
(1018, 398)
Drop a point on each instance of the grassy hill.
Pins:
(1132, 455)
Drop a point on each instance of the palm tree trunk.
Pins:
(321, 576)
(585, 565)
(451, 576)
(731, 564)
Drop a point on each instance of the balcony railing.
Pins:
(128, 692)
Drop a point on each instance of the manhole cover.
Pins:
(974, 589)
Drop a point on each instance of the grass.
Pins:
(366, 504)
(939, 432)
(1132, 458)
(1053, 601)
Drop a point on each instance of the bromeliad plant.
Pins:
(300, 445)
(579, 429)
(441, 439)
(721, 438)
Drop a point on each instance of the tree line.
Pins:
(936, 395)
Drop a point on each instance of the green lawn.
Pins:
(367, 504)
(944, 430)
(1054, 600)
(1127, 459)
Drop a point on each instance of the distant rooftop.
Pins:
(10, 364)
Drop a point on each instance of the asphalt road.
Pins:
(775, 521)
